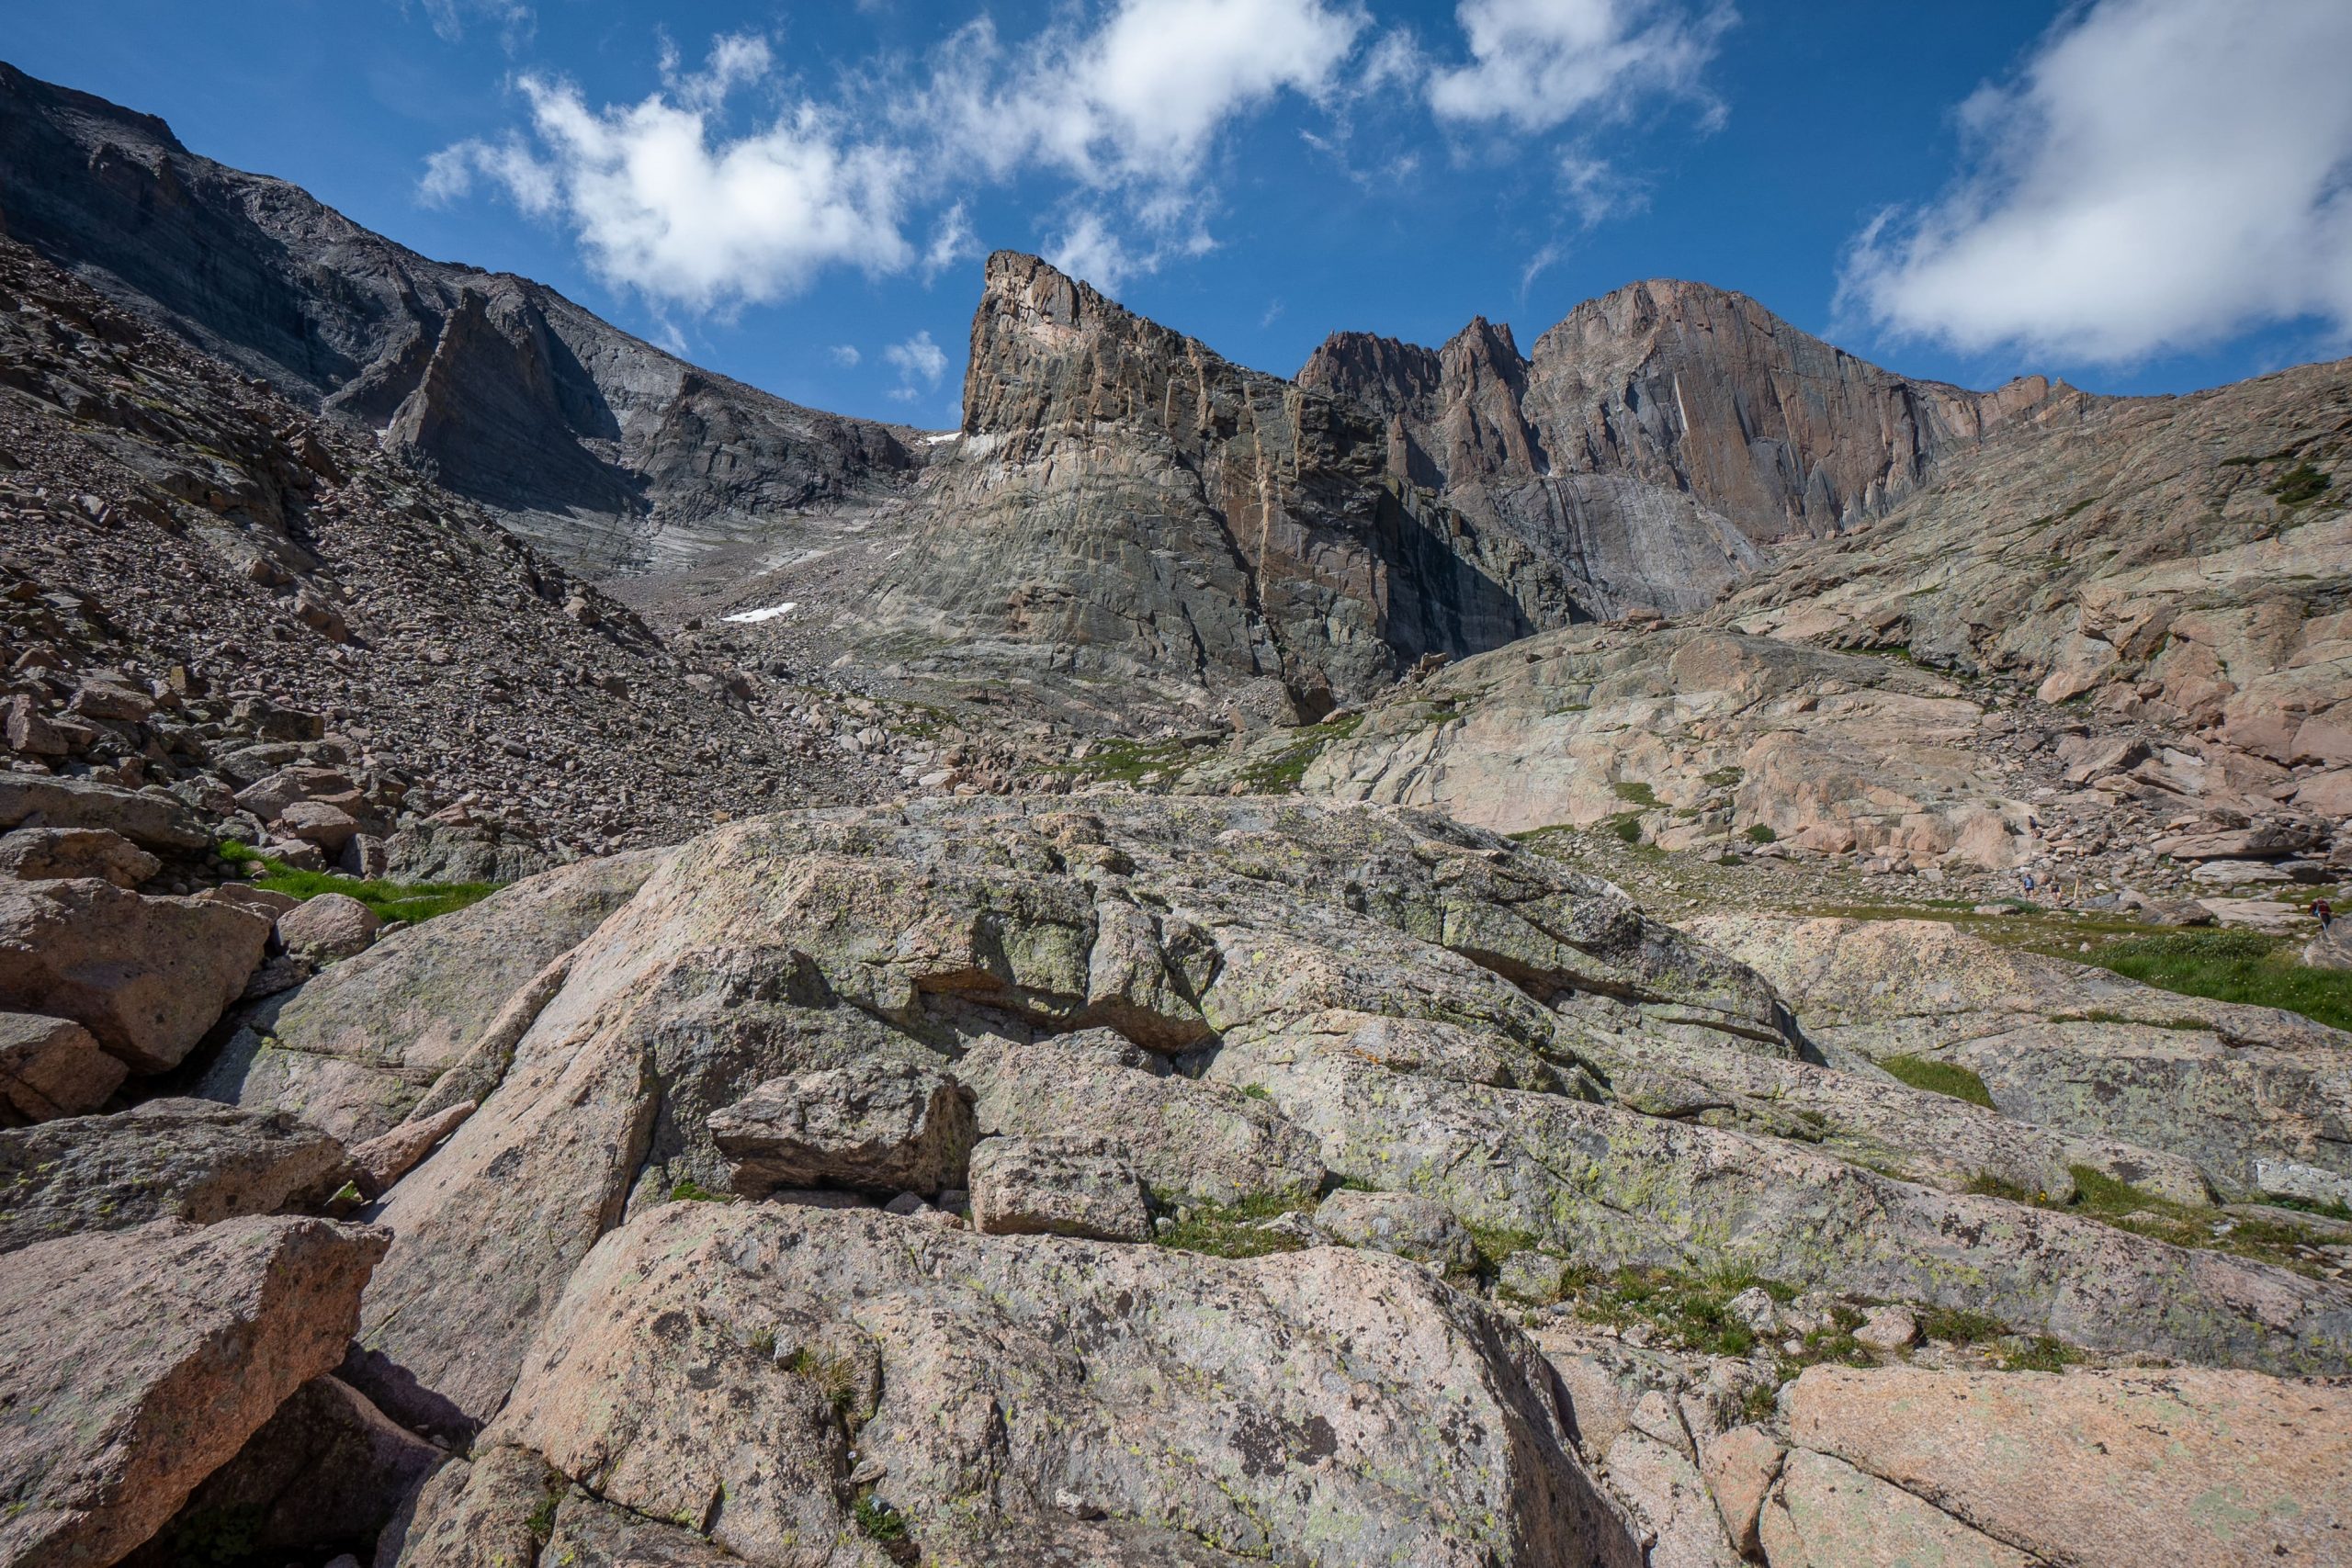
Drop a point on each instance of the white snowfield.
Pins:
(753, 617)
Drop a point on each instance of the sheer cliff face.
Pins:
(1122, 503)
(599, 446)
(1770, 434)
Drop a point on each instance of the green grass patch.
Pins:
(2232, 966)
(1627, 827)
(409, 901)
(1235, 1230)
(1126, 761)
(1724, 778)
(1940, 1078)
(1638, 794)
(1682, 1311)
(693, 1191)
(2101, 1197)
(1282, 771)
(1761, 834)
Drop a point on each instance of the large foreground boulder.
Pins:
(50, 1067)
(135, 1363)
(893, 1127)
(1606, 1186)
(2184, 1466)
(807, 943)
(59, 854)
(360, 1047)
(782, 1363)
(147, 976)
(188, 1159)
(327, 1474)
(2067, 1046)
(152, 821)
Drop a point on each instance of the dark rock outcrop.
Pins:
(1123, 503)
(591, 442)
(1761, 431)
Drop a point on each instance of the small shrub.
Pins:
(692, 1191)
(1761, 834)
(879, 1521)
(2299, 484)
(1956, 1327)
(835, 1377)
(1627, 827)
(1940, 1078)
(1233, 1230)
(2040, 1354)
(1640, 795)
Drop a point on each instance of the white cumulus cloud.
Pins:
(1535, 64)
(2159, 174)
(1138, 98)
(663, 202)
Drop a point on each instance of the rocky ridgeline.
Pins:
(1151, 1181)
(211, 597)
(592, 443)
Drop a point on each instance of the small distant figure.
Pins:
(2325, 913)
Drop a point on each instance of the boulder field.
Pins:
(1170, 1181)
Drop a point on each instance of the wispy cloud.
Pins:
(919, 363)
(2159, 174)
(845, 355)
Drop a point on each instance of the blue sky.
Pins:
(2142, 196)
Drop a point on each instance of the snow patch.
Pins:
(935, 440)
(753, 617)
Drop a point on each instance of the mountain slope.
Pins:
(605, 450)
(1766, 432)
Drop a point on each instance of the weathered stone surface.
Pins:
(136, 1363)
(326, 1474)
(2068, 1047)
(1826, 1514)
(188, 1159)
(51, 1067)
(44, 854)
(1606, 1186)
(1188, 1141)
(1194, 1394)
(1071, 1186)
(328, 926)
(385, 1158)
(1823, 748)
(886, 1127)
(1740, 1468)
(148, 976)
(2211, 1467)
(360, 1047)
(805, 942)
(1872, 1121)
(150, 821)
(486, 1511)
(1399, 1222)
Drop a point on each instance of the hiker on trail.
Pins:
(2325, 913)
